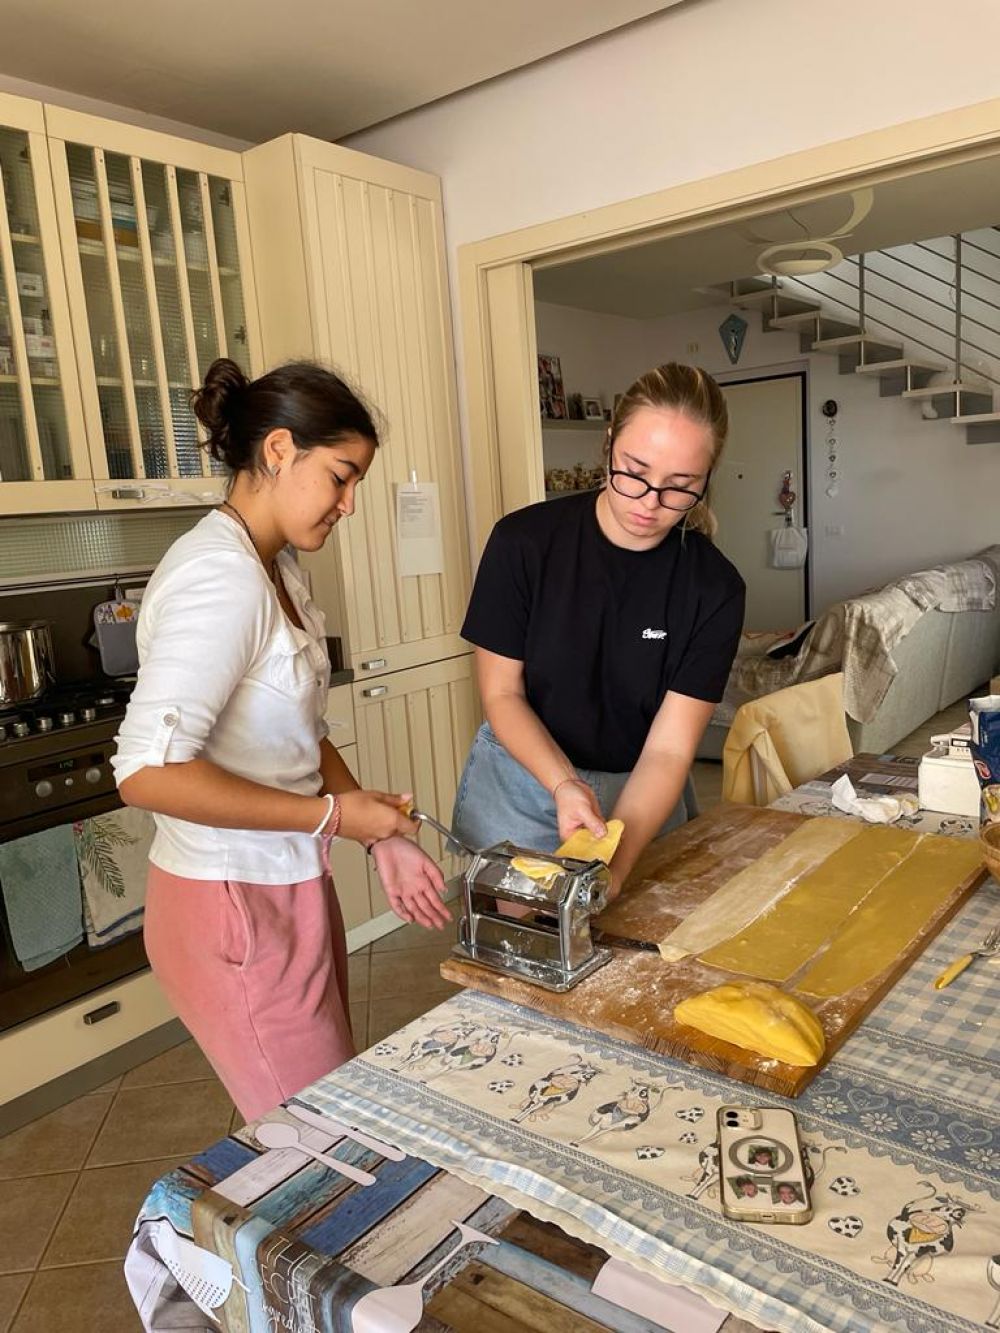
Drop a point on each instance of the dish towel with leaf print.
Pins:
(113, 853)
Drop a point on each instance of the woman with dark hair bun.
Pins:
(224, 741)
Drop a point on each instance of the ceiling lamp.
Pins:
(798, 259)
(810, 254)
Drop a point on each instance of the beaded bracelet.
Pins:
(338, 810)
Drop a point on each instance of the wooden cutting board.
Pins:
(633, 996)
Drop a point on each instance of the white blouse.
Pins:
(224, 675)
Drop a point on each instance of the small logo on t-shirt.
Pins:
(654, 633)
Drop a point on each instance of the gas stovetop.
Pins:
(64, 708)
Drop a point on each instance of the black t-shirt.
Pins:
(604, 632)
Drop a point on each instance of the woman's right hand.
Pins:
(369, 816)
(577, 807)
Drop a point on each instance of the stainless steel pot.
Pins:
(27, 662)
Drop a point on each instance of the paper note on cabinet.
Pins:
(418, 529)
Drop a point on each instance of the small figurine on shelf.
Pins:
(575, 405)
(558, 479)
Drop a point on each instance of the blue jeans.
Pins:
(498, 799)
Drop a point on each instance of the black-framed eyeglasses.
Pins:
(678, 498)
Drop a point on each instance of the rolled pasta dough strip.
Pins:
(877, 932)
(752, 890)
(782, 940)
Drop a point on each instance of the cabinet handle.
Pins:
(99, 1015)
(375, 691)
(374, 664)
(127, 493)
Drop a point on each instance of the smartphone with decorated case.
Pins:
(763, 1174)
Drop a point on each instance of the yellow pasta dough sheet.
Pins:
(891, 916)
(758, 886)
(787, 935)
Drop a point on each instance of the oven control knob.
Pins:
(92, 775)
(43, 788)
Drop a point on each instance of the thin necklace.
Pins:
(272, 573)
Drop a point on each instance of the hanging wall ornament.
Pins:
(833, 468)
(732, 331)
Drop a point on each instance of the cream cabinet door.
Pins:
(414, 732)
(156, 248)
(349, 865)
(361, 283)
(44, 463)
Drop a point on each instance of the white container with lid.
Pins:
(947, 783)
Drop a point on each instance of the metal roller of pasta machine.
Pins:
(548, 942)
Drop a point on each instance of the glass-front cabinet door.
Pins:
(157, 256)
(44, 463)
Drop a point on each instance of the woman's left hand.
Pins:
(413, 883)
(617, 880)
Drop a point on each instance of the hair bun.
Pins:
(215, 404)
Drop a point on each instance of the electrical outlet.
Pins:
(692, 348)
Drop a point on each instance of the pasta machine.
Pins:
(545, 938)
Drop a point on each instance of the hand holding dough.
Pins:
(579, 846)
(757, 1017)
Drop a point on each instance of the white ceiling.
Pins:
(256, 69)
(662, 277)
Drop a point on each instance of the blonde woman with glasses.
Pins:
(605, 627)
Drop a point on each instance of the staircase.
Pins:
(857, 329)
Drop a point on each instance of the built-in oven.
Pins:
(55, 770)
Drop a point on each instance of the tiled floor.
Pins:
(71, 1182)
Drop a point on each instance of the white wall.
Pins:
(705, 87)
(912, 492)
(600, 355)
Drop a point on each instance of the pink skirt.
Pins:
(258, 975)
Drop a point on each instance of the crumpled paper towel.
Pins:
(876, 809)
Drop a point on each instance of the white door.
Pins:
(765, 441)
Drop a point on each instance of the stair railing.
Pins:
(955, 344)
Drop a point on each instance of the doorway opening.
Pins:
(653, 279)
(768, 438)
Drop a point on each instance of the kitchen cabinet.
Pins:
(44, 462)
(348, 860)
(155, 246)
(339, 717)
(414, 731)
(349, 265)
(349, 866)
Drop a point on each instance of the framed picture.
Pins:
(551, 394)
(592, 409)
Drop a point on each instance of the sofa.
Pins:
(908, 650)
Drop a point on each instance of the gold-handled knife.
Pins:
(989, 946)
